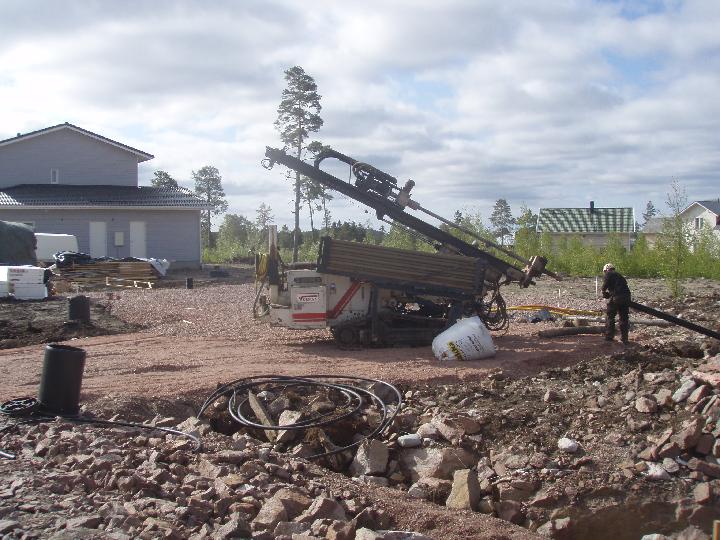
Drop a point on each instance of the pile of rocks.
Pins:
(75, 483)
(628, 443)
(599, 435)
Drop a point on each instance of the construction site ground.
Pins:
(167, 348)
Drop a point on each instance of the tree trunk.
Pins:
(296, 231)
(312, 221)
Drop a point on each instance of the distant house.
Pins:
(592, 225)
(653, 228)
(703, 215)
(65, 179)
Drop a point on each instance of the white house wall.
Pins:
(698, 211)
(79, 160)
(171, 234)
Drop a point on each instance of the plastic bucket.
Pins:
(467, 339)
(61, 379)
(79, 308)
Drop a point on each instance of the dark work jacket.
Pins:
(615, 284)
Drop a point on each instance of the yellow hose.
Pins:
(261, 267)
(556, 310)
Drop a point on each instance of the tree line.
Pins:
(678, 252)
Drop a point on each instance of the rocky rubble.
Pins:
(566, 454)
(623, 445)
(637, 432)
(71, 481)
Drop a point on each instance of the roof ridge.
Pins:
(83, 131)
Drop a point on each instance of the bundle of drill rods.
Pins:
(353, 397)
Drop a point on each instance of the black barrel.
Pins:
(189, 283)
(61, 379)
(79, 308)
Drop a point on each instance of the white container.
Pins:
(50, 244)
(29, 292)
(467, 339)
(4, 289)
(28, 275)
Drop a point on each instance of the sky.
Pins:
(545, 104)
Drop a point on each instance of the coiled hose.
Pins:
(355, 399)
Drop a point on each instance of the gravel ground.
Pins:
(191, 340)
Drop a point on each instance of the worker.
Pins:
(616, 290)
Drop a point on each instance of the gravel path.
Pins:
(195, 339)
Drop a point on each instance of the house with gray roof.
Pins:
(593, 225)
(701, 215)
(65, 179)
(653, 228)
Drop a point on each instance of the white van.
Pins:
(49, 244)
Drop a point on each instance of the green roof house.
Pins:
(592, 225)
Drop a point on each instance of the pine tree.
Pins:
(298, 116)
(502, 220)
(208, 186)
(649, 213)
(163, 179)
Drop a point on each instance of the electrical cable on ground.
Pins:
(355, 397)
(32, 411)
(556, 310)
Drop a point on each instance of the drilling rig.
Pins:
(378, 296)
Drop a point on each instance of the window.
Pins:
(699, 223)
(54, 176)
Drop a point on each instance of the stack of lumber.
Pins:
(97, 273)
(391, 265)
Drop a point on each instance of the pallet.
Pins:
(100, 272)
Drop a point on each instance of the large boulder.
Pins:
(371, 458)
(419, 463)
(465, 492)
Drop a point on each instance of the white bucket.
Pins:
(467, 339)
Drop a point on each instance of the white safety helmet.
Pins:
(608, 267)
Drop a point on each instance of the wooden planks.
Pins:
(100, 272)
(376, 263)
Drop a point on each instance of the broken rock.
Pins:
(682, 393)
(690, 434)
(412, 440)
(287, 418)
(455, 427)
(236, 527)
(420, 463)
(465, 493)
(645, 404)
(568, 445)
(322, 508)
(370, 459)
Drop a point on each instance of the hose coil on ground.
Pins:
(355, 396)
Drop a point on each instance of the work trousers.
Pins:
(618, 305)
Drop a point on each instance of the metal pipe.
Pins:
(675, 320)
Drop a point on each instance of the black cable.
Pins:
(353, 402)
(34, 412)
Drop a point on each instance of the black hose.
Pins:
(353, 402)
(34, 412)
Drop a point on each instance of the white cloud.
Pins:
(551, 104)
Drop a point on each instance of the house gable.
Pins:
(68, 155)
(702, 214)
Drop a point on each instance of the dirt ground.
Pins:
(169, 347)
(191, 340)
